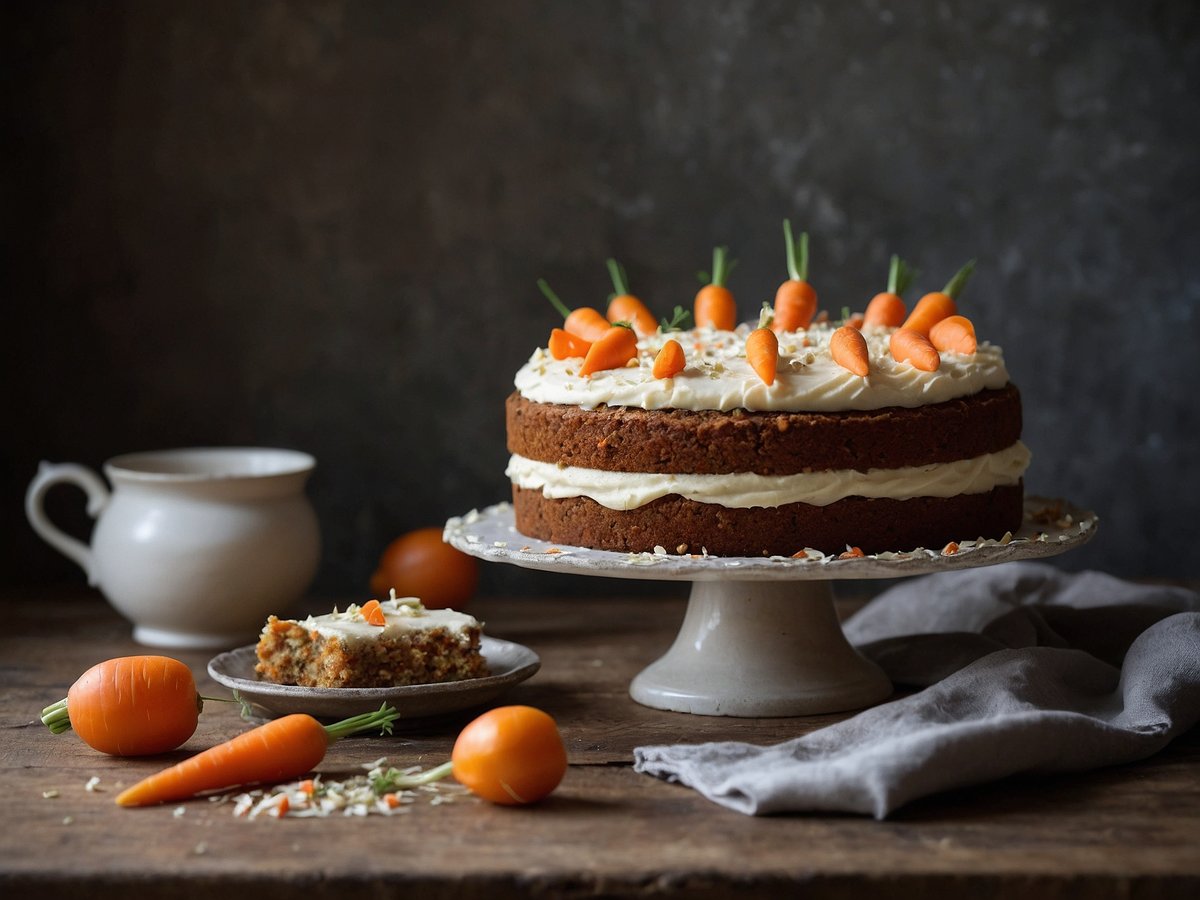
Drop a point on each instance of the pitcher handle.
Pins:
(50, 474)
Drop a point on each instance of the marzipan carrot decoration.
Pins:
(795, 301)
(762, 352)
(281, 750)
(715, 306)
(130, 706)
(584, 321)
(670, 360)
(887, 308)
(624, 307)
(913, 347)
(848, 348)
(954, 334)
(612, 350)
(564, 345)
(934, 307)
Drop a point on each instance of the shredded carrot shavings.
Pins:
(852, 553)
(373, 613)
(950, 549)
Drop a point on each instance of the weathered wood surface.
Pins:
(1121, 832)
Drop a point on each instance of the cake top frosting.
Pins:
(402, 615)
(717, 375)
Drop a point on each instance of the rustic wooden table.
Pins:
(1131, 831)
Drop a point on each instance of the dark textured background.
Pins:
(319, 225)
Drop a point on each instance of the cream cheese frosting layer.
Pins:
(718, 377)
(404, 615)
(629, 490)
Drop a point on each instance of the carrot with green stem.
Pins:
(954, 334)
(795, 300)
(848, 348)
(937, 305)
(714, 306)
(913, 347)
(612, 350)
(585, 322)
(887, 307)
(670, 360)
(762, 352)
(130, 706)
(280, 750)
(564, 345)
(624, 307)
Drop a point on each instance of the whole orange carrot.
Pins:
(612, 350)
(887, 308)
(762, 352)
(585, 322)
(913, 347)
(795, 300)
(714, 306)
(954, 334)
(564, 345)
(130, 706)
(624, 307)
(281, 750)
(848, 348)
(935, 306)
(669, 361)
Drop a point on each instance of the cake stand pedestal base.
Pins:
(755, 648)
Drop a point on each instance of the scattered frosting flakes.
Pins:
(384, 791)
(50, 794)
(93, 784)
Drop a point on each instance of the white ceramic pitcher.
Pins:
(196, 546)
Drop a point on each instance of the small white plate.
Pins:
(509, 664)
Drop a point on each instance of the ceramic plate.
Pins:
(509, 663)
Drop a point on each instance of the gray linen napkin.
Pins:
(1025, 669)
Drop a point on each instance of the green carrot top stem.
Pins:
(381, 718)
(955, 285)
(722, 266)
(620, 280)
(797, 252)
(900, 276)
(553, 298)
(678, 320)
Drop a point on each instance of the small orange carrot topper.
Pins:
(795, 300)
(715, 306)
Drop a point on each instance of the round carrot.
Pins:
(913, 347)
(624, 307)
(935, 306)
(564, 345)
(954, 334)
(585, 322)
(612, 350)
(669, 361)
(887, 308)
(762, 352)
(130, 706)
(795, 301)
(280, 750)
(715, 306)
(848, 348)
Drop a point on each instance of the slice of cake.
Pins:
(396, 642)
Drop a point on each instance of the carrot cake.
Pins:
(388, 644)
(715, 460)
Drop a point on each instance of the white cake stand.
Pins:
(760, 636)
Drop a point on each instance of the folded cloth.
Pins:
(1024, 669)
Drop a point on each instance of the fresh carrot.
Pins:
(935, 306)
(669, 361)
(954, 334)
(624, 307)
(564, 345)
(715, 306)
(913, 347)
(848, 348)
(762, 352)
(585, 322)
(887, 308)
(795, 301)
(281, 750)
(373, 613)
(130, 706)
(612, 350)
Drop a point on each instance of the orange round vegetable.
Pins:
(420, 564)
(130, 706)
(510, 755)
